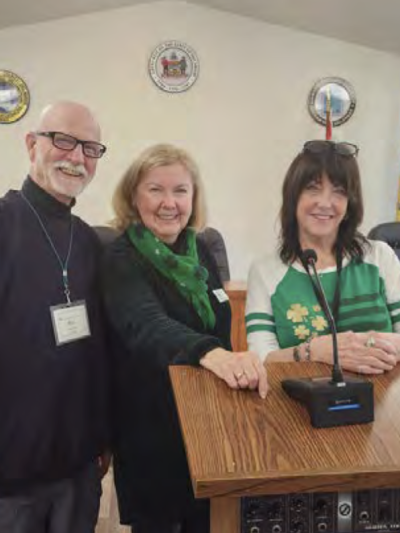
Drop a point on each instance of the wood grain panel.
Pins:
(236, 290)
(225, 515)
(241, 445)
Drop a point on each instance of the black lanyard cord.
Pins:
(337, 294)
(63, 264)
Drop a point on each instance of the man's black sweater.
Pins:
(53, 399)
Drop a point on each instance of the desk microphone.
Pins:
(338, 400)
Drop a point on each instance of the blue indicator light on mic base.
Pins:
(329, 405)
(344, 407)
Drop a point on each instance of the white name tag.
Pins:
(70, 322)
(221, 295)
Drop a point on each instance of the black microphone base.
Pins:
(333, 404)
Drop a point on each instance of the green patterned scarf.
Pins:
(184, 271)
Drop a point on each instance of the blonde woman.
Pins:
(167, 306)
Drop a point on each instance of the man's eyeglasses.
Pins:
(342, 148)
(67, 142)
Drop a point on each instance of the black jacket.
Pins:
(154, 327)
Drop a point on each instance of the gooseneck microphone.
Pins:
(309, 259)
(338, 400)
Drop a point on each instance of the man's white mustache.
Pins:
(66, 165)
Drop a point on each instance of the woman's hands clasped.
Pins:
(240, 370)
(364, 353)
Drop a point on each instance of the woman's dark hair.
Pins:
(341, 170)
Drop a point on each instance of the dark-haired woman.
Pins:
(322, 209)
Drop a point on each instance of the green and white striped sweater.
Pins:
(282, 309)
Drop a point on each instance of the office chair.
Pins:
(106, 234)
(387, 232)
(214, 241)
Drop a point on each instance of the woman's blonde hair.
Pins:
(156, 156)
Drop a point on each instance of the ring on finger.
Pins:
(239, 375)
(370, 342)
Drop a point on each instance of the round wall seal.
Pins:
(342, 100)
(14, 97)
(174, 66)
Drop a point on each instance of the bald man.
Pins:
(53, 385)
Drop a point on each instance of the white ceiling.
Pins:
(373, 23)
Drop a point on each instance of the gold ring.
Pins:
(370, 342)
(239, 375)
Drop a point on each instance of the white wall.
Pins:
(244, 120)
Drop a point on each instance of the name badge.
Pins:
(221, 295)
(70, 322)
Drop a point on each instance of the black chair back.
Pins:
(216, 245)
(106, 234)
(387, 232)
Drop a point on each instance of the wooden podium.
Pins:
(236, 290)
(240, 445)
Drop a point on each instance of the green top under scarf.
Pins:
(189, 277)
